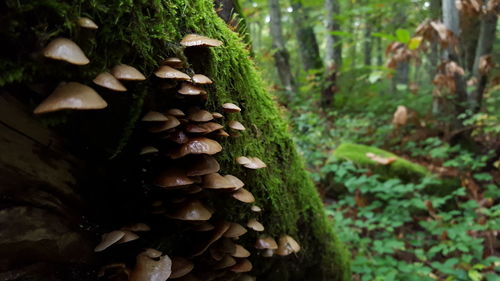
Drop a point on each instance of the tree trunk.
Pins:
(403, 67)
(281, 56)
(367, 44)
(41, 182)
(230, 12)
(333, 53)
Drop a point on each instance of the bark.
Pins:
(281, 56)
(402, 69)
(333, 53)
(306, 39)
(380, 51)
(367, 44)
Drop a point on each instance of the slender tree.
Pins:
(333, 53)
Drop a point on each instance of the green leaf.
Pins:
(403, 35)
(415, 42)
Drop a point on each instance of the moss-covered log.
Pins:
(143, 34)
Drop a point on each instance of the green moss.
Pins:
(400, 168)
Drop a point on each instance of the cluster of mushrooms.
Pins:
(184, 140)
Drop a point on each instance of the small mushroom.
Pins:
(217, 233)
(240, 252)
(251, 162)
(203, 226)
(66, 50)
(243, 160)
(243, 265)
(235, 230)
(255, 225)
(202, 165)
(198, 146)
(154, 116)
(204, 128)
(172, 178)
(222, 133)
(256, 208)
(175, 112)
(217, 115)
(108, 81)
(287, 245)
(200, 115)
(109, 239)
(129, 236)
(168, 72)
(193, 40)
(226, 262)
(148, 150)
(127, 72)
(266, 243)
(192, 211)
(201, 79)
(235, 125)
(151, 267)
(244, 195)
(87, 23)
(171, 123)
(190, 90)
(71, 95)
(180, 267)
(216, 181)
(235, 181)
(173, 62)
(231, 107)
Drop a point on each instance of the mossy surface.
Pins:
(143, 33)
(401, 168)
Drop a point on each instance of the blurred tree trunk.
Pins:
(402, 69)
(281, 56)
(380, 51)
(306, 39)
(333, 53)
(367, 43)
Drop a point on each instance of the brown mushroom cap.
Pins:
(255, 208)
(175, 112)
(241, 252)
(243, 265)
(255, 225)
(287, 245)
(198, 146)
(244, 195)
(204, 128)
(251, 162)
(190, 90)
(192, 211)
(217, 115)
(171, 123)
(266, 243)
(217, 233)
(148, 149)
(127, 72)
(192, 40)
(203, 226)
(235, 230)
(173, 62)
(66, 50)
(109, 239)
(154, 116)
(168, 72)
(200, 115)
(201, 79)
(151, 267)
(202, 165)
(226, 261)
(243, 160)
(71, 95)
(173, 178)
(87, 23)
(129, 236)
(235, 181)
(222, 133)
(235, 125)
(180, 267)
(231, 107)
(216, 181)
(108, 81)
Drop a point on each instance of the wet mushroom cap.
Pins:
(87, 23)
(242, 265)
(201, 79)
(173, 178)
(231, 107)
(127, 72)
(216, 181)
(200, 115)
(171, 123)
(154, 116)
(198, 146)
(109, 239)
(241, 252)
(180, 267)
(168, 72)
(66, 50)
(71, 95)
(202, 165)
(192, 211)
(151, 268)
(190, 90)
(193, 40)
(235, 230)
(108, 81)
(244, 195)
(255, 225)
(235, 125)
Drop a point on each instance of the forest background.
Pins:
(394, 106)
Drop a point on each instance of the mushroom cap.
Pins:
(216, 181)
(246, 277)
(66, 50)
(151, 268)
(108, 81)
(178, 136)
(129, 236)
(267, 253)
(231, 107)
(251, 162)
(256, 208)
(222, 133)
(198, 146)
(217, 233)
(180, 267)
(255, 225)
(87, 23)
(200, 115)
(192, 211)
(173, 178)
(127, 72)
(109, 239)
(192, 40)
(171, 123)
(204, 226)
(244, 195)
(201, 79)
(243, 265)
(241, 252)
(266, 243)
(287, 245)
(217, 115)
(235, 125)
(173, 62)
(175, 112)
(154, 116)
(226, 261)
(148, 149)
(204, 128)
(71, 95)
(168, 72)
(235, 181)
(137, 227)
(235, 230)
(190, 90)
(243, 160)
(202, 165)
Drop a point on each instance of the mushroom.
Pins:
(243, 265)
(198, 146)
(173, 178)
(176, 112)
(217, 233)
(235, 181)
(190, 90)
(216, 181)
(66, 50)
(71, 95)
(235, 230)
(231, 107)
(180, 267)
(246, 277)
(108, 81)
(87, 23)
(201, 79)
(168, 72)
(235, 125)
(151, 267)
(154, 116)
(222, 133)
(241, 252)
(255, 225)
(226, 261)
(129, 236)
(178, 136)
(256, 208)
(127, 72)
(200, 115)
(193, 40)
(217, 115)
(109, 239)
(287, 245)
(267, 253)
(173, 62)
(204, 128)
(203, 226)
(244, 195)
(202, 165)
(148, 150)
(192, 211)
(171, 123)
(251, 162)
(266, 243)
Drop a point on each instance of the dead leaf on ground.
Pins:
(380, 159)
